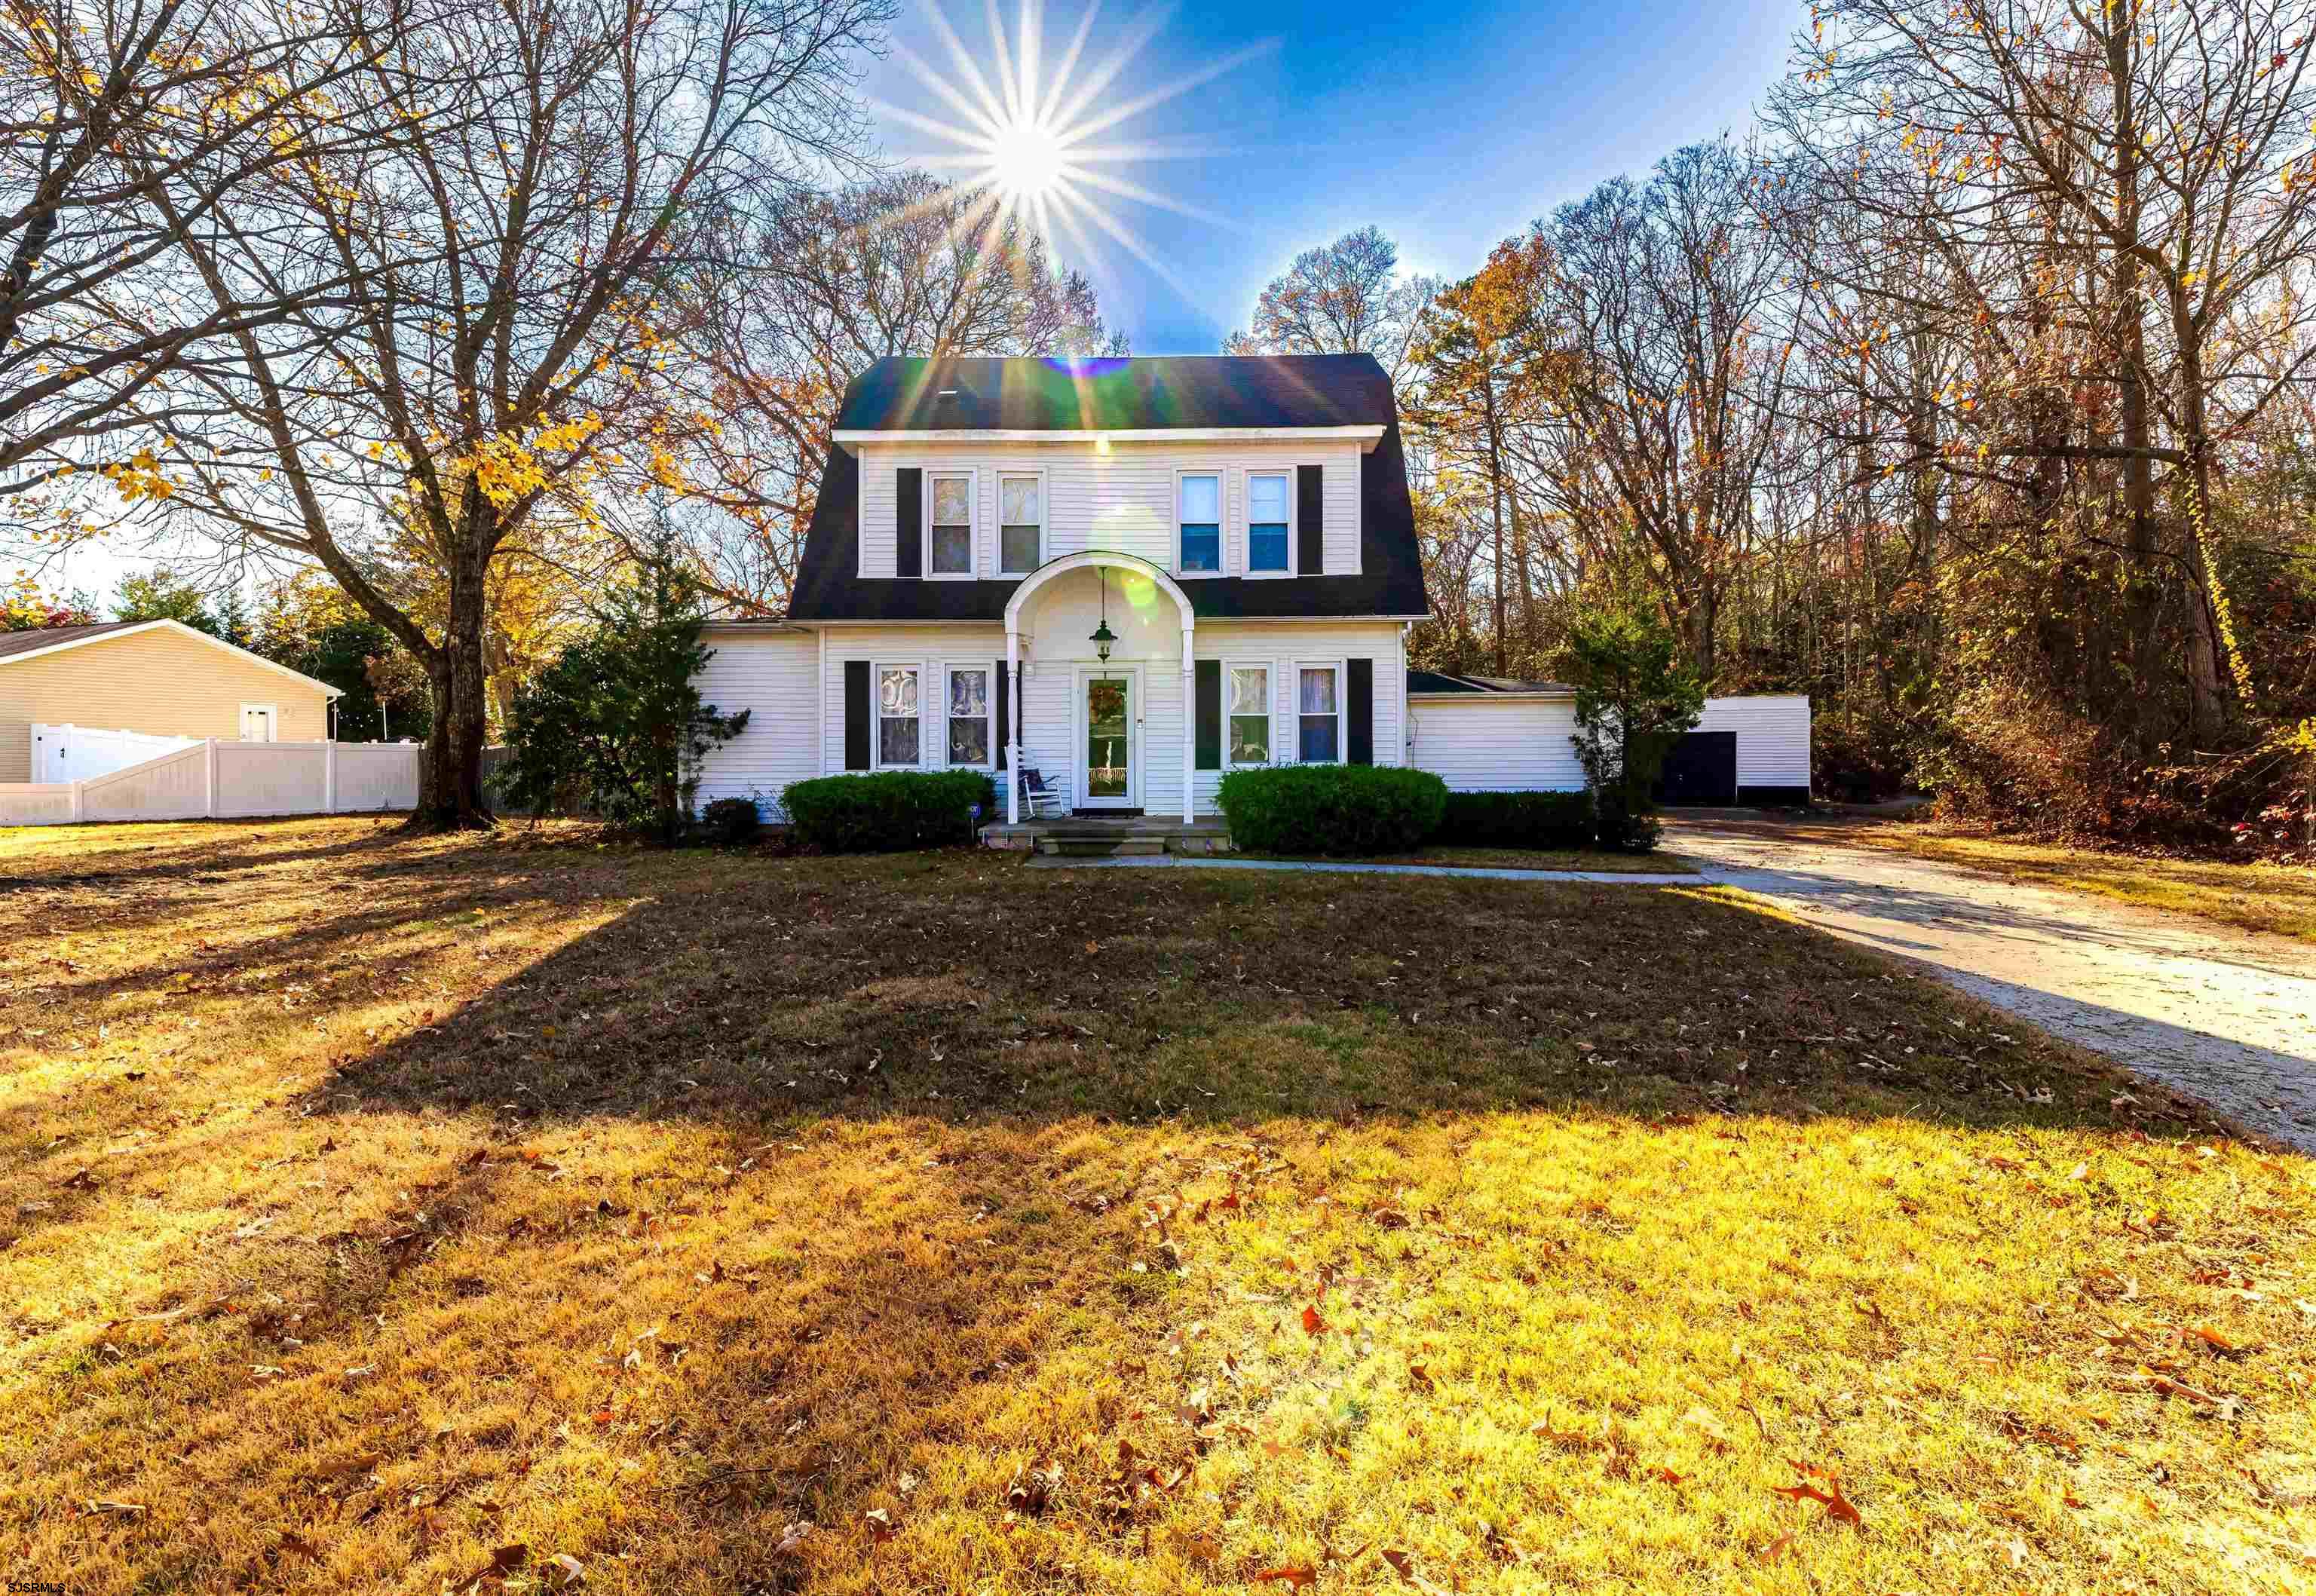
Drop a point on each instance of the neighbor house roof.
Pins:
(1186, 393)
(52, 636)
(18, 647)
(1440, 682)
(1165, 393)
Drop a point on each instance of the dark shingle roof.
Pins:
(1183, 391)
(903, 395)
(12, 643)
(1440, 682)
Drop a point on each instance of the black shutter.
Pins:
(1310, 522)
(857, 715)
(1358, 699)
(909, 521)
(1208, 686)
(1004, 719)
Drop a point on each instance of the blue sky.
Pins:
(1448, 126)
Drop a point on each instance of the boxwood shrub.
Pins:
(1331, 809)
(731, 820)
(887, 810)
(1517, 820)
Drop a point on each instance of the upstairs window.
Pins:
(1320, 715)
(1249, 715)
(952, 527)
(1202, 524)
(1022, 524)
(898, 721)
(1266, 524)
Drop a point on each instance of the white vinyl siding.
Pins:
(1123, 500)
(775, 676)
(1046, 720)
(1478, 743)
(1773, 736)
(1481, 742)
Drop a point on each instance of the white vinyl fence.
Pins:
(219, 778)
(70, 753)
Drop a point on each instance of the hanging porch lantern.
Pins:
(1103, 636)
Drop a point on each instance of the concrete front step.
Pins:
(1099, 846)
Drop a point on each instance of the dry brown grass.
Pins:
(1583, 860)
(367, 1205)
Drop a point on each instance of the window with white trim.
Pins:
(1020, 524)
(970, 732)
(1199, 496)
(1319, 715)
(952, 526)
(900, 723)
(1268, 547)
(1249, 724)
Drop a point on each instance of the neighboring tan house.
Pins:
(161, 678)
(1131, 575)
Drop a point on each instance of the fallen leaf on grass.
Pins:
(1775, 1549)
(1313, 1325)
(566, 1573)
(881, 1528)
(300, 1547)
(793, 1538)
(504, 1562)
(1837, 1506)
(1302, 1577)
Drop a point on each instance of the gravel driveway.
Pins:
(2222, 1013)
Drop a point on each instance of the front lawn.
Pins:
(418, 1215)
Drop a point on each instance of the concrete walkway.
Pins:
(1170, 862)
(2229, 1016)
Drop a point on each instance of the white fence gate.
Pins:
(219, 778)
(70, 753)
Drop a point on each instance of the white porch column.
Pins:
(1013, 728)
(1189, 721)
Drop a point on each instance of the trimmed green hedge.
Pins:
(1517, 820)
(888, 810)
(1331, 809)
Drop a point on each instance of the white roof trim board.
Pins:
(180, 626)
(1366, 437)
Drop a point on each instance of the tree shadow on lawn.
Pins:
(791, 1184)
(961, 988)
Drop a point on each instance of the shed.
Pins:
(153, 678)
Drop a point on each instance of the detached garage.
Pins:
(1491, 733)
(147, 679)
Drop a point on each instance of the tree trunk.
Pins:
(450, 797)
(2207, 704)
(2143, 586)
(1496, 503)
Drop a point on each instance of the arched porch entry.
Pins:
(1018, 606)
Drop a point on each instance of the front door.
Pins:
(257, 722)
(1108, 773)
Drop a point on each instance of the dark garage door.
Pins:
(1701, 769)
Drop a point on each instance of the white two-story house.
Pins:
(1131, 575)
(1134, 576)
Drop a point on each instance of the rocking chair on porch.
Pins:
(1040, 797)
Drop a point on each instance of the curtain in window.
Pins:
(1018, 519)
(896, 716)
(1250, 716)
(1316, 709)
(968, 718)
(952, 525)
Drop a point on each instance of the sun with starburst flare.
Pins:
(1051, 142)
